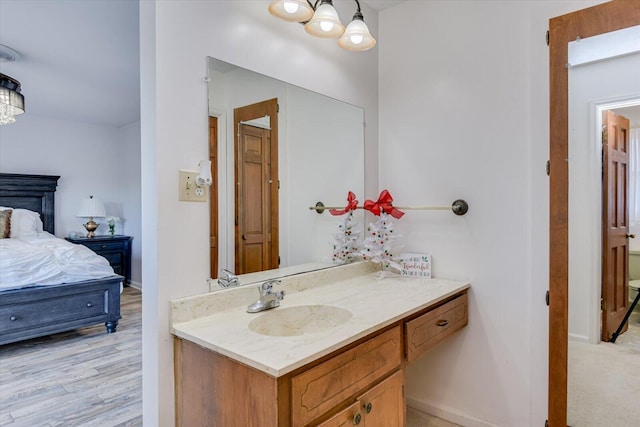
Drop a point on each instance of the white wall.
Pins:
(129, 182)
(176, 37)
(589, 86)
(90, 160)
(464, 114)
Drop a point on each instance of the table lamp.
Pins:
(91, 208)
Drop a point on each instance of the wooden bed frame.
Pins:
(43, 310)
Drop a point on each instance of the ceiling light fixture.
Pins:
(322, 20)
(11, 100)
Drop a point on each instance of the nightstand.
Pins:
(116, 249)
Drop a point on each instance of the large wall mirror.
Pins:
(276, 150)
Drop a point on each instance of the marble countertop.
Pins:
(373, 302)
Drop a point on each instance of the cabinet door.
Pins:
(349, 417)
(383, 405)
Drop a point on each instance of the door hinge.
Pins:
(277, 108)
(603, 304)
(547, 37)
(548, 167)
(546, 422)
(546, 298)
(278, 259)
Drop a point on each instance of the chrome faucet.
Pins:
(228, 279)
(268, 298)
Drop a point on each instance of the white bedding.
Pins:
(47, 260)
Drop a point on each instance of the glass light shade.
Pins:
(11, 100)
(291, 10)
(325, 22)
(357, 36)
(91, 208)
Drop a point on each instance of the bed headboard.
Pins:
(33, 192)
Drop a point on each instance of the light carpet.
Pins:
(604, 381)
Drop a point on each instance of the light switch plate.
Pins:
(188, 191)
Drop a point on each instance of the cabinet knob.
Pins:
(89, 305)
(356, 419)
(13, 318)
(368, 407)
(103, 246)
(442, 322)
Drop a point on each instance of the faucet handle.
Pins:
(267, 287)
(280, 295)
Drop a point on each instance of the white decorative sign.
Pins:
(415, 265)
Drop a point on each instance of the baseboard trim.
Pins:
(579, 338)
(136, 285)
(447, 414)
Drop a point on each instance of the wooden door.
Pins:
(213, 198)
(256, 196)
(599, 19)
(254, 203)
(615, 224)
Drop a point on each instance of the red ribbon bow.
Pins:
(383, 204)
(352, 203)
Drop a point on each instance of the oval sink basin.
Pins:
(298, 320)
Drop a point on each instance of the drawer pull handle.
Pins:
(356, 419)
(368, 407)
(89, 305)
(103, 246)
(13, 318)
(442, 322)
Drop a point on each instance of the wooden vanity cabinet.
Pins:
(360, 384)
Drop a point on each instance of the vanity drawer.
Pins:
(425, 331)
(323, 387)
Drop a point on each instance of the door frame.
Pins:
(600, 19)
(214, 212)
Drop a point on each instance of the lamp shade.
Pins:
(325, 22)
(291, 10)
(11, 100)
(91, 208)
(357, 36)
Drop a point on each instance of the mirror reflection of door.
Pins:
(256, 178)
(615, 222)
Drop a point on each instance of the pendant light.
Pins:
(291, 10)
(325, 22)
(357, 36)
(11, 100)
(321, 20)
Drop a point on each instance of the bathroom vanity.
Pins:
(332, 354)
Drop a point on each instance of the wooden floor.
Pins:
(84, 377)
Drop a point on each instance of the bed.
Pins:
(34, 310)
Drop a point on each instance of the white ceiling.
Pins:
(78, 59)
(382, 4)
